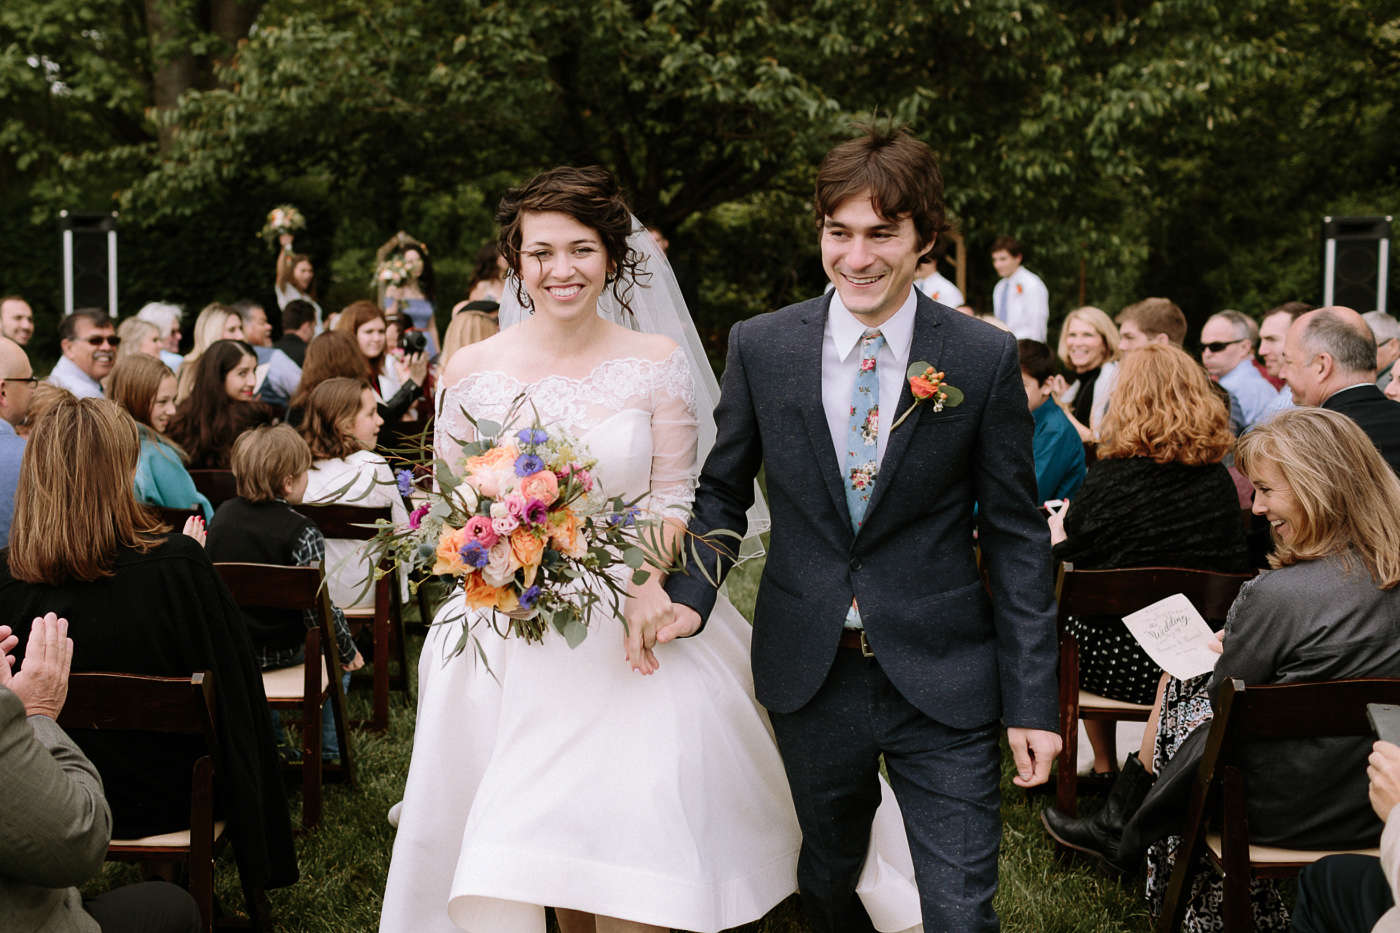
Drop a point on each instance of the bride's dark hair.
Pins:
(591, 196)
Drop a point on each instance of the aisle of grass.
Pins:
(345, 862)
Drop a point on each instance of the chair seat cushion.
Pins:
(285, 683)
(1272, 855)
(175, 840)
(1094, 701)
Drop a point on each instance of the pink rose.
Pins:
(480, 528)
(515, 505)
(502, 522)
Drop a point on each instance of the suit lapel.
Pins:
(927, 344)
(809, 391)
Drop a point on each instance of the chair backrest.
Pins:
(1120, 592)
(137, 703)
(272, 586)
(347, 522)
(176, 518)
(215, 485)
(1301, 711)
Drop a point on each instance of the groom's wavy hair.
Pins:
(591, 196)
(899, 172)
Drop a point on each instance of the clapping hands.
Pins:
(194, 527)
(42, 681)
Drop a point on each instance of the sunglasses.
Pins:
(112, 340)
(1220, 345)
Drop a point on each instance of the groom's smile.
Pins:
(871, 260)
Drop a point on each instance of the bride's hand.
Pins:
(647, 609)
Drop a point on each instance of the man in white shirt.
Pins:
(89, 344)
(934, 284)
(1020, 299)
(1227, 351)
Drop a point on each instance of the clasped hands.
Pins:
(652, 619)
(42, 681)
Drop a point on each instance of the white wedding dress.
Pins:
(560, 777)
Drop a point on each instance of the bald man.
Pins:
(16, 386)
(1329, 361)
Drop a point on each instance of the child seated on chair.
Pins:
(260, 526)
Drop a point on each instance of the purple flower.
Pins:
(626, 518)
(475, 555)
(536, 512)
(525, 464)
(532, 436)
(405, 482)
(415, 518)
(527, 598)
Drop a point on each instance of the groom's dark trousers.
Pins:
(950, 664)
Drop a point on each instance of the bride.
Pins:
(551, 776)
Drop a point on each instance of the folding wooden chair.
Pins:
(215, 485)
(176, 518)
(304, 688)
(176, 706)
(386, 618)
(1118, 593)
(1254, 714)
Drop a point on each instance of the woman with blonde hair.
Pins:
(1158, 496)
(140, 600)
(44, 397)
(216, 322)
(1327, 611)
(1089, 346)
(466, 328)
(145, 387)
(138, 336)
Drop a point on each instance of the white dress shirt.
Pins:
(941, 290)
(841, 365)
(67, 375)
(1027, 304)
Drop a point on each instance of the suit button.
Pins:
(855, 563)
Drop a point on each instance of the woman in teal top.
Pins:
(145, 387)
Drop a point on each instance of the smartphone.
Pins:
(1385, 721)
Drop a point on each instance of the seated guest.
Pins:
(1273, 328)
(16, 319)
(220, 405)
(1157, 496)
(89, 343)
(1059, 453)
(1152, 320)
(1089, 346)
(1227, 350)
(466, 328)
(216, 322)
(333, 354)
(166, 317)
(278, 375)
(1329, 360)
(46, 395)
(341, 427)
(16, 388)
(145, 387)
(298, 327)
(1386, 330)
(139, 600)
(138, 336)
(57, 822)
(260, 526)
(1326, 612)
(396, 385)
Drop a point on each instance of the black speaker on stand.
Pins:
(1355, 262)
(89, 260)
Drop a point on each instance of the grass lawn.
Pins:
(345, 862)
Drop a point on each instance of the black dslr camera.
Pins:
(413, 341)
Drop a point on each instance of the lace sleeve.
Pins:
(451, 429)
(674, 438)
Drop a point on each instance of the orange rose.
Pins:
(543, 486)
(529, 550)
(921, 387)
(566, 534)
(479, 593)
(483, 471)
(449, 551)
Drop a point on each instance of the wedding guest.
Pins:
(1325, 612)
(396, 385)
(1273, 328)
(331, 354)
(141, 601)
(137, 336)
(1157, 496)
(16, 387)
(298, 327)
(167, 317)
(1059, 453)
(1089, 346)
(1020, 299)
(220, 405)
(145, 387)
(16, 319)
(216, 322)
(1386, 330)
(278, 376)
(488, 281)
(412, 298)
(295, 278)
(933, 283)
(89, 343)
(45, 396)
(466, 328)
(341, 426)
(1152, 320)
(1227, 351)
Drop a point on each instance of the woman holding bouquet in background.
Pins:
(560, 777)
(405, 273)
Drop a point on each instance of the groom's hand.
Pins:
(686, 622)
(1033, 750)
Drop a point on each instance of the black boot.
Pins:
(1099, 835)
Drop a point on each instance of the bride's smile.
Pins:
(562, 263)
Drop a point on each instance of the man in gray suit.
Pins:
(56, 824)
(873, 634)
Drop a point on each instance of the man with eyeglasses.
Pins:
(1227, 350)
(89, 344)
(16, 386)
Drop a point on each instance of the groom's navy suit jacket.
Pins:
(957, 656)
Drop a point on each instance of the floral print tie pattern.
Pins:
(863, 441)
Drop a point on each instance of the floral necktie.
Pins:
(863, 442)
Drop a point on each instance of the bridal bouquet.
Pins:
(282, 219)
(392, 271)
(525, 528)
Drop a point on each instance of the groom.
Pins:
(873, 633)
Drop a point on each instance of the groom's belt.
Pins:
(855, 638)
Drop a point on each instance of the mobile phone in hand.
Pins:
(1385, 721)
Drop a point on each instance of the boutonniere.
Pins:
(1019, 289)
(926, 383)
